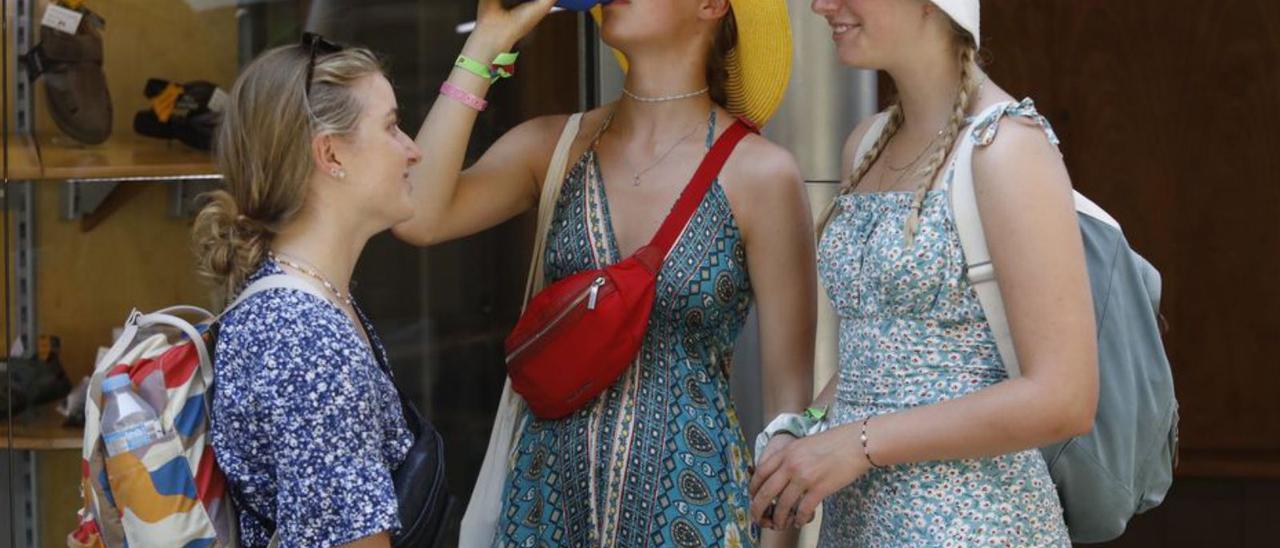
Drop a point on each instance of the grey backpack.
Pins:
(1124, 466)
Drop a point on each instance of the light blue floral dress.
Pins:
(912, 333)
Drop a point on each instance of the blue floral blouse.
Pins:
(306, 423)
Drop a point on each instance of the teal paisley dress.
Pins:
(659, 459)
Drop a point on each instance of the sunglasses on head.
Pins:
(316, 45)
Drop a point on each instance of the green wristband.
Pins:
(504, 65)
(816, 414)
(474, 67)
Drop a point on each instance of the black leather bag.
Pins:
(422, 490)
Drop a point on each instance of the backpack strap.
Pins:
(979, 269)
(274, 281)
(869, 138)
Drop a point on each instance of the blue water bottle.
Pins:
(580, 5)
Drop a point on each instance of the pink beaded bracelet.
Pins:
(463, 96)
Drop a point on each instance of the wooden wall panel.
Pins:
(1168, 111)
(87, 282)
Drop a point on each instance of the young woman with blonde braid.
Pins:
(928, 441)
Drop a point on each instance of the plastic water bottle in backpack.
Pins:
(128, 423)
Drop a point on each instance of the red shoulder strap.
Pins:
(697, 188)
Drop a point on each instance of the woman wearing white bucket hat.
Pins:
(928, 441)
(657, 457)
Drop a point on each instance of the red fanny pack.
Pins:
(578, 335)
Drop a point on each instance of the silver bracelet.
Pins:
(865, 451)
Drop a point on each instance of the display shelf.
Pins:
(24, 158)
(40, 429)
(120, 157)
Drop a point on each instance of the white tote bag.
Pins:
(480, 523)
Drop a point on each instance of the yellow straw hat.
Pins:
(760, 66)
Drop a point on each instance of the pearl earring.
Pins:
(339, 173)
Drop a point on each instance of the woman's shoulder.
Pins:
(761, 165)
(763, 184)
(758, 161)
(1011, 135)
(537, 137)
(284, 340)
(1016, 153)
(282, 321)
(547, 129)
(279, 306)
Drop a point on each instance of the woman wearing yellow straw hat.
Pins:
(929, 441)
(659, 457)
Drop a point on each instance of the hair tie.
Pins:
(246, 224)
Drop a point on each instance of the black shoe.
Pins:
(187, 112)
(34, 381)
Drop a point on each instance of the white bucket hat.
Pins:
(965, 13)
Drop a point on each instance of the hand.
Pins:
(776, 444)
(803, 473)
(502, 27)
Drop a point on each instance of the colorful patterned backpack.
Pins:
(170, 493)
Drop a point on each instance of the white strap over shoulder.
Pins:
(480, 522)
(973, 240)
(274, 281)
(169, 317)
(551, 186)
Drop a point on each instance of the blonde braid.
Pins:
(968, 87)
(864, 164)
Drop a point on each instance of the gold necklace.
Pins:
(664, 98)
(932, 143)
(314, 273)
(639, 175)
(927, 147)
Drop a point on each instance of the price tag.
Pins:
(63, 19)
(218, 102)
